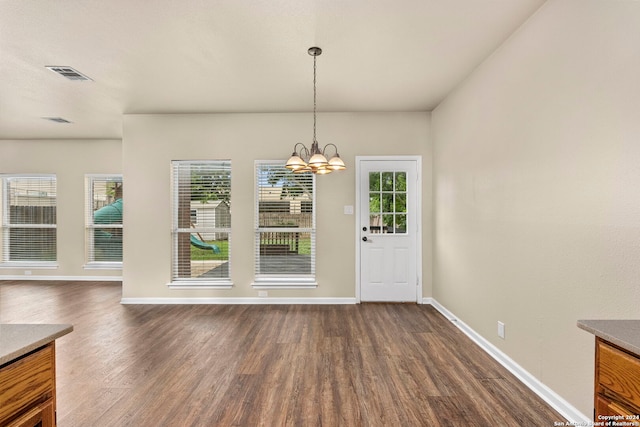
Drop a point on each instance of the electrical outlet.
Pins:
(501, 329)
(263, 293)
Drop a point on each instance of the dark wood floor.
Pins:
(258, 365)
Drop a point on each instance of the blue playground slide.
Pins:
(203, 245)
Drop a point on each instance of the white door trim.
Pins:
(418, 160)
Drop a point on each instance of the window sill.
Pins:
(281, 283)
(201, 285)
(103, 266)
(30, 265)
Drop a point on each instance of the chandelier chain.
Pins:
(314, 99)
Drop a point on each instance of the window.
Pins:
(285, 229)
(201, 223)
(103, 221)
(29, 220)
(388, 202)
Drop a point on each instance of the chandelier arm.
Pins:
(303, 152)
(295, 148)
(334, 147)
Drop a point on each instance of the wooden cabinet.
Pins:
(27, 390)
(617, 382)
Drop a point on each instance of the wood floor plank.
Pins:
(265, 365)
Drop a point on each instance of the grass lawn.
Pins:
(304, 248)
(206, 254)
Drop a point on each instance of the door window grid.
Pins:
(388, 202)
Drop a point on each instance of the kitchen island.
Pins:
(27, 374)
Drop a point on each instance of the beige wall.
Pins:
(151, 141)
(69, 160)
(537, 189)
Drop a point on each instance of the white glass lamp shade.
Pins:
(318, 161)
(322, 171)
(336, 163)
(304, 169)
(295, 162)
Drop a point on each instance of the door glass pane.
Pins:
(374, 223)
(374, 181)
(374, 203)
(401, 224)
(401, 181)
(401, 202)
(387, 223)
(387, 202)
(387, 181)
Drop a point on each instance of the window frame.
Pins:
(283, 281)
(177, 282)
(90, 262)
(5, 261)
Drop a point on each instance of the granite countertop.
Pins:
(623, 333)
(18, 340)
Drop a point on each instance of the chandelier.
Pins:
(313, 159)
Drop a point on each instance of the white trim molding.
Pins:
(223, 284)
(554, 400)
(239, 300)
(103, 266)
(18, 265)
(284, 285)
(67, 278)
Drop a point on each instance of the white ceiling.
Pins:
(185, 56)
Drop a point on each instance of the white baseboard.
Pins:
(241, 300)
(552, 398)
(64, 278)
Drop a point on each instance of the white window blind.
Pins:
(29, 220)
(103, 221)
(285, 229)
(201, 221)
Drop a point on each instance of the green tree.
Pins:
(210, 184)
(292, 184)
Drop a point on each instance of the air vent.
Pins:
(68, 72)
(57, 119)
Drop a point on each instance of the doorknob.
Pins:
(364, 239)
(364, 228)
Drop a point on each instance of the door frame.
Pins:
(418, 231)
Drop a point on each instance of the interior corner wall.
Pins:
(152, 141)
(537, 189)
(69, 160)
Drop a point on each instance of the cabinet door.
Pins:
(605, 406)
(42, 415)
(26, 382)
(618, 372)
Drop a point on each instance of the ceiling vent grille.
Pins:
(68, 72)
(57, 119)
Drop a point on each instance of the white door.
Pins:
(388, 229)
